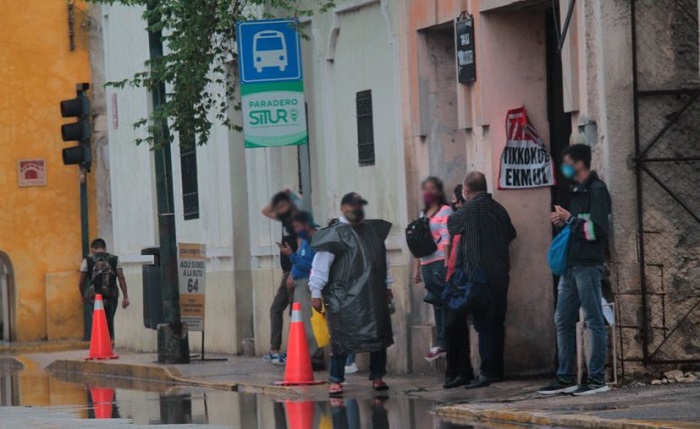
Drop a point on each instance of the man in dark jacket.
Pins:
(580, 286)
(282, 207)
(486, 232)
(351, 272)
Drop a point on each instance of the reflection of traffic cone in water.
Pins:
(102, 399)
(300, 415)
(100, 343)
(298, 370)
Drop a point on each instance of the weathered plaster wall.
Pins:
(40, 226)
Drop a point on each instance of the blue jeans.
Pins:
(580, 287)
(377, 366)
(434, 279)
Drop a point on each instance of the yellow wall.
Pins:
(40, 226)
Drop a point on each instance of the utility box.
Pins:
(152, 298)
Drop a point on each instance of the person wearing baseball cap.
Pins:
(350, 273)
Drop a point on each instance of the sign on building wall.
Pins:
(31, 172)
(464, 47)
(192, 267)
(525, 162)
(272, 86)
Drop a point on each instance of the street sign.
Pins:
(272, 87)
(269, 51)
(466, 62)
(192, 267)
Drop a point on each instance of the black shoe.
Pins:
(456, 382)
(591, 387)
(480, 381)
(560, 385)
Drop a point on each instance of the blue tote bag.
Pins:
(559, 252)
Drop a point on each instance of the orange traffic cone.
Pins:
(102, 399)
(100, 343)
(298, 370)
(300, 415)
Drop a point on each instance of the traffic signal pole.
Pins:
(173, 345)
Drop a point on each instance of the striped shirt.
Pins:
(438, 227)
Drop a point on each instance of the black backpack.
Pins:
(419, 238)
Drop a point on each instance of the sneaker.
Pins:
(275, 358)
(435, 354)
(592, 386)
(351, 369)
(560, 385)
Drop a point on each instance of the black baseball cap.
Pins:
(353, 199)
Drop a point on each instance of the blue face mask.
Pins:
(303, 234)
(568, 171)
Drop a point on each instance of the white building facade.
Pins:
(350, 50)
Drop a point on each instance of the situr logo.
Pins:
(273, 117)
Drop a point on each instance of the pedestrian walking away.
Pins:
(282, 207)
(99, 273)
(431, 269)
(350, 272)
(580, 286)
(486, 233)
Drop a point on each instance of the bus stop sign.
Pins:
(269, 51)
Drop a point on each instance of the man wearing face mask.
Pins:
(580, 286)
(350, 271)
(282, 207)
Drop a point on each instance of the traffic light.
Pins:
(79, 131)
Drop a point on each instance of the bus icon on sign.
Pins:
(269, 50)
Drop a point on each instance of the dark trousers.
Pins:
(282, 299)
(458, 346)
(377, 366)
(489, 322)
(110, 306)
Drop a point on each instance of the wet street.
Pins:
(69, 403)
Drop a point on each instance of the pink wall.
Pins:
(511, 73)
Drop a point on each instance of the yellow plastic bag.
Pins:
(320, 327)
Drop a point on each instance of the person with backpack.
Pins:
(430, 269)
(580, 285)
(99, 273)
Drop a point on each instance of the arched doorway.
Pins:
(7, 289)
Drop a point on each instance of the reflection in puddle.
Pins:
(163, 404)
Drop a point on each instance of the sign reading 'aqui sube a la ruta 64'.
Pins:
(272, 86)
(192, 267)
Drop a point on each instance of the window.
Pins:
(365, 128)
(188, 167)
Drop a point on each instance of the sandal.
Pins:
(379, 385)
(335, 389)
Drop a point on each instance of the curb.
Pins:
(162, 374)
(535, 418)
(43, 347)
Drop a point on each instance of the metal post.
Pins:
(81, 90)
(173, 346)
(84, 226)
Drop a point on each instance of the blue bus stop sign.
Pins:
(269, 51)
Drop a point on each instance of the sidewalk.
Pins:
(666, 406)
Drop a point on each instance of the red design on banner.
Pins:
(525, 162)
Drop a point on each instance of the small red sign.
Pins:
(31, 172)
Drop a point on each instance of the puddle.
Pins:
(158, 404)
